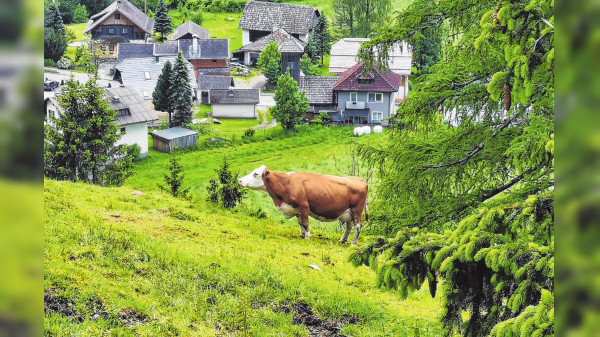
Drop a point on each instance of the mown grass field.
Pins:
(121, 264)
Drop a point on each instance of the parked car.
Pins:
(50, 85)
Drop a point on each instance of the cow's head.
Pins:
(254, 180)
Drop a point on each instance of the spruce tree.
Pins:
(291, 105)
(180, 99)
(162, 91)
(55, 34)
(225, 189)
(322, 38)
(311, 48)
(162, 23)
(467, 206)
(269, 62)
(174, 179)
(80, 144)
(53, 19)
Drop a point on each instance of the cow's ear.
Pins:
(266, 173)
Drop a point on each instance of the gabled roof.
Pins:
(281, 37)
(161, 49)
(262, 15)
(190, 27)
(222, 71)
(124, 97)
(234, 96)
(207, 49)
(133, 73)
(129, 50)
(318, 89)
(126, 9)
(382, 82)
(344, 55)
(207, 82)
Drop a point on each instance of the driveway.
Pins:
(63, 75)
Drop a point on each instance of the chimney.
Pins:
(195, 45)
(116, 98)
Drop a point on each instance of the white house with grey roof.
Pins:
(142, 73)
(261, 18)
(234, 103)
(133, 115)
(208, 82)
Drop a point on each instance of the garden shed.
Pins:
(166, 140)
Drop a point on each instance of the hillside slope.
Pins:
(152, 265)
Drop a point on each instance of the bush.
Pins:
(174, 179)
(259, 214)
(197, 17)
(316, 121)
(249, 132)
(64, 63)
(70, 34)
(225, 189)
(203, 129)
(325, 117)
(49, 63)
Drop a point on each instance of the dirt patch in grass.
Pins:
(60, 305)
(129, 317)
(318, 327)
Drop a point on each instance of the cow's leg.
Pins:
(357, 219)
(346, 232)
(303, 221)
(302, 229)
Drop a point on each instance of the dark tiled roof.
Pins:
(318, 89)
(189, 27)
(207, 82)
(129, 98)
(261, 15)
(214, 71)
(207, 49)
(129, 50)
(234, 96)
(382, 82)
(128, 10)
(165, 49)
(280, 36)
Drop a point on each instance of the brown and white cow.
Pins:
(323, 197)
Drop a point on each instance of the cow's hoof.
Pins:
(342, 240)
(302, 236)
(307, 236)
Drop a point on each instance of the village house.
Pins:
(261, 18)
(120, 22)
(290, 47)
(203, 54)
(187, 30)
(234, 103)
(320, 95)
(208, 82)
(367, 98)
(344, 55)
(133, 115)
(142, 73)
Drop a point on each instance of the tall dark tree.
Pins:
(162, 23)
(162, 92)
(469, 204)
(322, 37)
(225, 189)
(55, 37)
(311, 48)
(53, 19)
(291, 105)
(80, 144)
(180, 100)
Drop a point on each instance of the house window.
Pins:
(117, 16)
(147, 75)
(377, 115)
(124, 30)
(214, 61)
(365, 81)
(354, 96)
(123, 112)
(375, 97)
(111, 30)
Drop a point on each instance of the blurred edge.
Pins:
(21, 161)
(577, 116)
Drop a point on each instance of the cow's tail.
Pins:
(366, 212)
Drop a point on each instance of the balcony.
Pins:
(355, 105)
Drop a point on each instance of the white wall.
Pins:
(245, 37)
(136, 134)
(303, 37)
(234, 111)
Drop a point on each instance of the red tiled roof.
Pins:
(382, 81)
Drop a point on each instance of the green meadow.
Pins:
(124, 264)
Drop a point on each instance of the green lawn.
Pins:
(220, 25)
(127, 265)
(78, 29)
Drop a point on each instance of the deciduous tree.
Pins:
(291, 105)
(80, 15)
(269, 62)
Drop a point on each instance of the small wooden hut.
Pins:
(166, 140)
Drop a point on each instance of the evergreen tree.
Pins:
(225, 188)
(471, 202)
(174, 179)
(55, 34)
(80, 144)
(291, 105)
(180, 99)
(162, 91)
(311, 48)
(53, 19)
(269, 62)
(80, 15)
(322, 38)
(307, 67)
(162, 23)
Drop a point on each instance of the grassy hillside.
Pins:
(147, 265)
